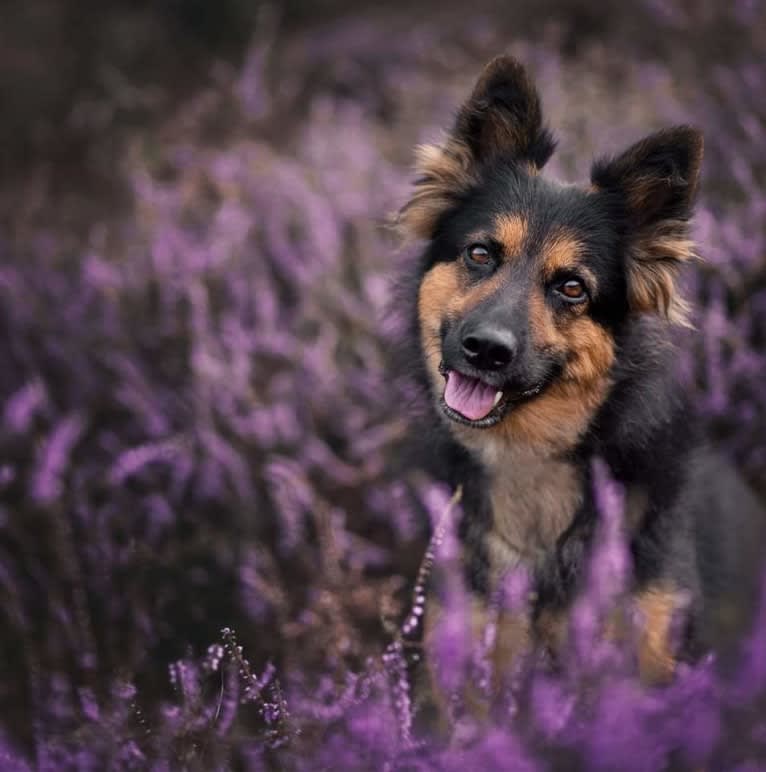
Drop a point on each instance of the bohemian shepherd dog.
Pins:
(542, 314)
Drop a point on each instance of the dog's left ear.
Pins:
(654, 183)
(500, 121)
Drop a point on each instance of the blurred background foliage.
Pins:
(77, 78)
(200, 424)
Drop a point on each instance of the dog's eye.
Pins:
(479, 254)
(572, 290)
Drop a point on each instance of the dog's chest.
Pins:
(534, 500)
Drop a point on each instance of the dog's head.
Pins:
(525, 281)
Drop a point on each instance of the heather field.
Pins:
(210, 525)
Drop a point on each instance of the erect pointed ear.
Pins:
(655, 184)
(501, 119)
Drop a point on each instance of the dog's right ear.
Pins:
(501, 120)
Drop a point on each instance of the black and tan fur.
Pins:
(585, 379)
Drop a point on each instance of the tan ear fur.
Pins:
(444, 171)
(655, 257)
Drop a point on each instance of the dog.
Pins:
(542, 318)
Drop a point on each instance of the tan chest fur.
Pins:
(534, 500)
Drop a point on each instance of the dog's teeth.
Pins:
(498, 397)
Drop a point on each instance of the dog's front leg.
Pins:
(492, 643)
(658, 605)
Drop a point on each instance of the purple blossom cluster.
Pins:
(212, 536)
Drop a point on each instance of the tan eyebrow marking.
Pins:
(511, 232)
(562, 252)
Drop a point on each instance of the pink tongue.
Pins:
(469, 396)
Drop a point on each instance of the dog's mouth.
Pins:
(473, 402)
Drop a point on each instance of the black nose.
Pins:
(489, 347)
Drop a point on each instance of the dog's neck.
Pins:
(534, 496)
